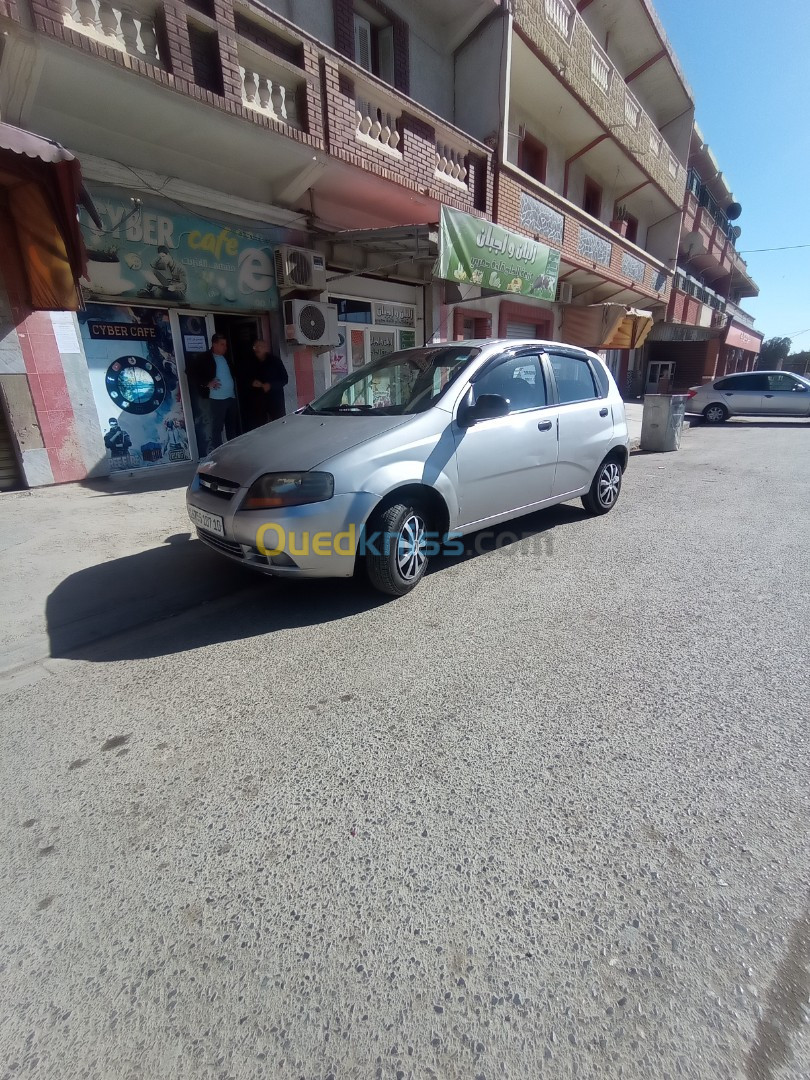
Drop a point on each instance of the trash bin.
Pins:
(662, 422)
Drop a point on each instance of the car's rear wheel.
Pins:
(715, 414)
(605, 488)
(396, 557)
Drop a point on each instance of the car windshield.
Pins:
(402, 382)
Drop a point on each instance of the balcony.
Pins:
(271, 87)
(127, 28)
(601, 259)
(559, 34)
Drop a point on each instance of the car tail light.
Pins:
(691, 392)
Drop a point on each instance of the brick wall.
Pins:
(414, 166)
(509, 191)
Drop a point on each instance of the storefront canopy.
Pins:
(606, 326)
(42, 184)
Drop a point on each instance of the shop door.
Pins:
(242, 332)
(521, 331)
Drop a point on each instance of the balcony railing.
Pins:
(632, 110)
(270, 87)
(561, 16)
(377, 119)
(601, 68)
(451, 163)
(128, 28)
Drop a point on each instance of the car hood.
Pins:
(296, 443)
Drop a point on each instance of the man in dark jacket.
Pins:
(213, 380)
(265, 379)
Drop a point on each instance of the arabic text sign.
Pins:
(476, 252)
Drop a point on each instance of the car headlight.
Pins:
(289, 489)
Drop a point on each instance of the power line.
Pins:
(756, 251)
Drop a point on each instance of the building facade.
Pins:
(220, 139)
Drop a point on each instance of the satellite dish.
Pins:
(736, 232)
(694, 243)
(733, 211)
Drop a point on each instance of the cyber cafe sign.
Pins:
(146, 253)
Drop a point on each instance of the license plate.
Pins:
(210, 522)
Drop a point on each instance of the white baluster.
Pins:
(291, 105)
(149, 39)
(107, 19)
(376, 126)
(277, 99)
(249, 85)
(364, 111)
(87, 12)
(67, 10)
(264, 91)
(129, 32)
(393, 141)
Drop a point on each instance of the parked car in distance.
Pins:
(447, 439)
(751, 393)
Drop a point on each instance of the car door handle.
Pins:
(544, 425)
(769, 395)
(603, 412)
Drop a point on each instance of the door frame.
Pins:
(180, 358)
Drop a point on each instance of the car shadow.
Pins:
(125, 609)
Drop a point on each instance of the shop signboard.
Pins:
(476, 252)
(133, 375)
(149, 251)
(394, 314)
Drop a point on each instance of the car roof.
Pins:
(482, 343)
(770, 371)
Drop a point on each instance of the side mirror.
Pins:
(799, 389)
(487, 407)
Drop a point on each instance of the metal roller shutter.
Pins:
(9, 468)
(521, 330)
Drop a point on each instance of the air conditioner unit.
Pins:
(565, 292)
(308, 323)
(299, 268)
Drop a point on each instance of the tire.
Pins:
(715, 413)
(402, 561)
(605, 489)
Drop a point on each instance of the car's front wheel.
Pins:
(396, 550)
(715, 414)
(605, 488)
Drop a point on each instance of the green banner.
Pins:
(476, 252)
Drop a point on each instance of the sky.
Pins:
(746, 61)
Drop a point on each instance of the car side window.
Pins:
(782, 382)
(519, 379)
(753, 383)
(574, 378)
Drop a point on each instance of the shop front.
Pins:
(161, 281)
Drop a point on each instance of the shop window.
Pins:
(352, 311)
(592, 198)
(532, 157)
(632, 229)
(470, 325)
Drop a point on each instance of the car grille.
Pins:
(215, 485)
(218, 543)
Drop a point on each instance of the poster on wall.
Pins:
(133, 375)
(340, 356)
(149, 252)
(476, 252)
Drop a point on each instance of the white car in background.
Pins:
(751, 393)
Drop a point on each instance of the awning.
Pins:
(742, 337)
(42, 183)
(606, 326)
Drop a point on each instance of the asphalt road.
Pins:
(548, 816)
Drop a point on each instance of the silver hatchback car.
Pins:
(403, 456)
(751, 393)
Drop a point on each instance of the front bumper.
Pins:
(316, 540)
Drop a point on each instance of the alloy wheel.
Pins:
(609, 483)
(715, 413)
(411, 547)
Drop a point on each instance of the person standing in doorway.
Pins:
(214, 381)
(266, 378)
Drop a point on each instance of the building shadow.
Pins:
(182, 596)
(743, 423)
(132, 483)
